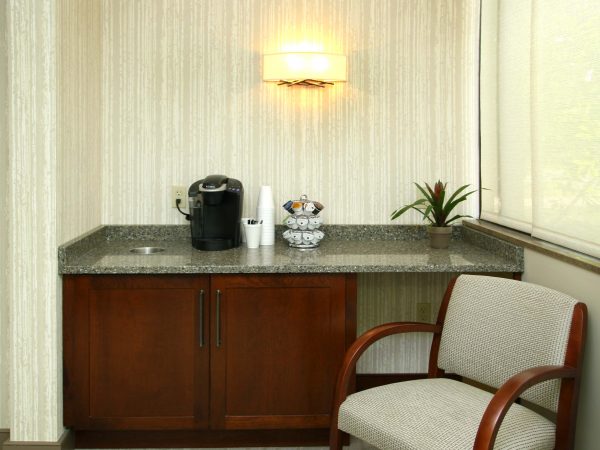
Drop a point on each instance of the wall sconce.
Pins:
(304, 68)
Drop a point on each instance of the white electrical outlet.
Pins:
(423, 312)
(179, 192)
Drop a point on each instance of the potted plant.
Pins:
(436, 211)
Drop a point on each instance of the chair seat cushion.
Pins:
(434, 414)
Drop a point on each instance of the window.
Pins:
(540, 119)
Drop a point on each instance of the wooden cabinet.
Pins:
(280, 341)
(199, 352)
(133, 356)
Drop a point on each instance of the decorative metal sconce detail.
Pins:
(304, 68)
(307, 82)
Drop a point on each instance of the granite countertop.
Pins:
(345, 249)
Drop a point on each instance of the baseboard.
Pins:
(66, 442)
(191, 439)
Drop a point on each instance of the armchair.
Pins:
(521, 340)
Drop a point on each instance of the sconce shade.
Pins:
(295, 66)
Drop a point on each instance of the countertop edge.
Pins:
(294, 269)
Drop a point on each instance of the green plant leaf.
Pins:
(428, 211)
(424, 192)
(453, 196)
(451, 205)
(424, 215)
(458, 216)
(402, 210)
(431, 193)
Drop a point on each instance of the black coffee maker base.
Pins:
(213, 244)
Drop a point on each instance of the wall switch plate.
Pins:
(423, 312)
(179, 192)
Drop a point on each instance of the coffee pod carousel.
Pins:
(303, 223)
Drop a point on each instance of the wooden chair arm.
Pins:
(358, 348)
(507, 394)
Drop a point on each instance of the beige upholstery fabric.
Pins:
(436, 414)
(496, 328)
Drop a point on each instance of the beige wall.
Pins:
(32, 223)
(584, 286)
(4, 391)
(78, 103)
(391, 297)
(53, 56)
(182, 98)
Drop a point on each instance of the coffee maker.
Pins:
(215, 205)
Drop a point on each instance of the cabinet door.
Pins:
(278, 341)
(136, 352)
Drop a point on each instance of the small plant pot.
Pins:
(439, 237)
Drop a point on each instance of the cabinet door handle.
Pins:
(218, 318)
(201, 318)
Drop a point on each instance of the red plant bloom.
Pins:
(438, 188)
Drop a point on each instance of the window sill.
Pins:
(555, 251)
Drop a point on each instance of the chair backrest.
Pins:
(496, 327)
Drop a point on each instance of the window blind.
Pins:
(540, 119)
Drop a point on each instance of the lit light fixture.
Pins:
(304, 68)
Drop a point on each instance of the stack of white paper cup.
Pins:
(265, 213)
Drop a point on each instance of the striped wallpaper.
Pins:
(393, 297)
(52, 89)
(4, 390)
(34, 345)
(182, 98)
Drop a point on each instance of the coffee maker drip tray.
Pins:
(212, 244)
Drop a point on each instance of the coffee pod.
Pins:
(288, 207)
(297, 207)
(302, 222)
(291, 222)
(314, 222)
(318, 208)
(307, 237)
(297, 237)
